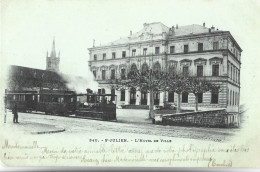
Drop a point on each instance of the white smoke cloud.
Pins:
(80, 83)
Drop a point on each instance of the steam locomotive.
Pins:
(65, 103)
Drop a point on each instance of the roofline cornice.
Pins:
(233, 39)
(170, 38)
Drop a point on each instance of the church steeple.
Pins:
(53, 52)
(52, 61)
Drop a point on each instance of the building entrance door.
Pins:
(156, 98)
(143, 98)
(132, 96)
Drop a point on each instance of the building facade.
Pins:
(195, 49)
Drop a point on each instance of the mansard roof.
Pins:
(154, 31)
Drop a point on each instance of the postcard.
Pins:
(120, 83)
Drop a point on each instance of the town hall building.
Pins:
(196, 49)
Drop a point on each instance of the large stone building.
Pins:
(196, 49)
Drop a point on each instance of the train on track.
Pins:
(65, 103)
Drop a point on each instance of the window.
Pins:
(230, 97)
(133, 52)
(113, 94)
(145, 67)
(184, 97)
(186, 48)
(95, 57)
(200, 46)
(104, 56)
(134, 67)
(199, 71)
(215, 70)
(228, 70)
(171, 96)
(214, 97)
(200, 97)
(123, 54)
(144, 51)
(157, 50)
(231, 72)
(233, 103)
(123, 74)
(172, 49)
(172, 69)
(49, 64)
(103, 91)
(157, 67)
(122, 98)
(215, 45)
(185, 71)
(94, 73)
(103, 74)
(113, 73)
(113, 55)
(156, 98)
(235, 74)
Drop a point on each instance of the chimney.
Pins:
(173, 29)
(203, 24)
(176, 26)
(212, 28)
(130, 32)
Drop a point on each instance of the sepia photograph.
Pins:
(120, 83)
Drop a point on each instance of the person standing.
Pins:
(15, 112)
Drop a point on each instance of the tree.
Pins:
(147, 80)
(198, 85)
(177, 82)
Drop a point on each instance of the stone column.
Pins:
(127, 97)
(118, 96)
(138, 97)
(161, 98)
(148, 99)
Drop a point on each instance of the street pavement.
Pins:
(129, 122)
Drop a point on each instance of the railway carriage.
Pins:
(60, 102)
(25, 100)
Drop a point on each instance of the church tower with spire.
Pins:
(53, 61)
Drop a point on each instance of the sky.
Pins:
(28, 28)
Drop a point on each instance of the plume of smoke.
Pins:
(80, 83)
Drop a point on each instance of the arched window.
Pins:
(171, 68)
(145, 67)
(157, 66)
(132, 96)
(133, 67)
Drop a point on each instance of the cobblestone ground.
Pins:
(129, 122)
